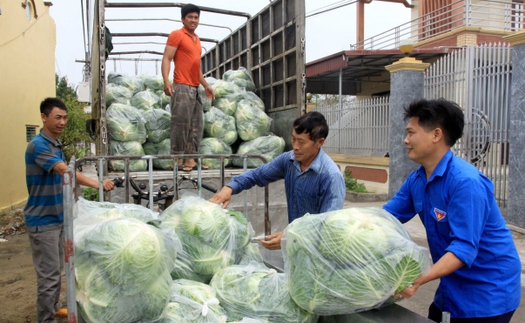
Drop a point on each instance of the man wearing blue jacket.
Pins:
(313, 182)
(472, 249)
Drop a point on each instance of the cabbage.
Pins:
(122, 264)
(133, 83)
(210, 236)
(351, 260)
(250, 253)
(227, 104)
(118, 94)
(214, 146)
(133, 148)
(223, 88)
(193, 302)
(153, 83)
(157, 125)
(219, 125)
(267, 146)
(145, 100)
(251, 122)
(254, 290)
(126, 123)
(164, 101)
(240, 77)
(254, 99)
(160, 148)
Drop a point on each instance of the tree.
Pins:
(75, 139)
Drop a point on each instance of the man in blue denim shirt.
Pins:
(472, 249)
(313, 182)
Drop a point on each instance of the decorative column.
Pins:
(406, 85)
(516, 202)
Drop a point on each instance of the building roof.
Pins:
(358, 66)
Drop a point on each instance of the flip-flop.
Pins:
(181, 167)
(195, 167)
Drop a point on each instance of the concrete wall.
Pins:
(27, 76)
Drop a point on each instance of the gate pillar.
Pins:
(516, 204)
(406, 85)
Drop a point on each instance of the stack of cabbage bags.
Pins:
(122, 264)
(350, 260)
(139, 116)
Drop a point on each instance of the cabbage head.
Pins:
(133, 148)
(351, 260)
(118, 94)
(145, 100)
(251, 122)
(217, 147)
(227, 104)
(153, 83)
(193, 302)
(126, 123)
(160, 148)
(210, 236)
(206, 104)
(223, 88)
(219, 125)
(254, 290)
(240, 77)
(254, 99)
(267, 146)
(133, 83)
(157, 125)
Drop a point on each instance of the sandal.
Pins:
(195, 167)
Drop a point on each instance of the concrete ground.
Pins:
(421, 300)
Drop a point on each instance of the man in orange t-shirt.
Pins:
(184, 49)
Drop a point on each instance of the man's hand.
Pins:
(273, 242)
(168, 88)
(410, 290)
(224, 197)
(108, 185)
(209, 93)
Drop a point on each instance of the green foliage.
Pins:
(90, 194)
(352, 184)
(74, 137)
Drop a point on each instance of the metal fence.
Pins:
(503, 15)
(358, 127)
(478, 79)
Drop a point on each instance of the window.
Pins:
(30, 133)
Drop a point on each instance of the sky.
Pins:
(326, 33)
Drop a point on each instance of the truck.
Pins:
(271, 46)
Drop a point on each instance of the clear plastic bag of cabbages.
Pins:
(254, 290)
(219, 125)
(118, 94)
(145, 100)
(254, 99)
(122, 263)
(214, 146)
(351, 260)
(159, 148)
(133, 83)
(211, 236)
(192, 302)
(157, 124)
(240, 77)
(251, 121)
(88, 213)
(153, 83)
(222, 89)
(126, 123)
(133, 148)
(267, 146)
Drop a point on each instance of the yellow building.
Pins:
(27, 76)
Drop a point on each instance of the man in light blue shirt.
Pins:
(472, 249)
(313, 182)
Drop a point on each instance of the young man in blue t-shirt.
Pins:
(474, 255)
(44, 216)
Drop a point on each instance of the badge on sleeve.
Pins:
(440, 215)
